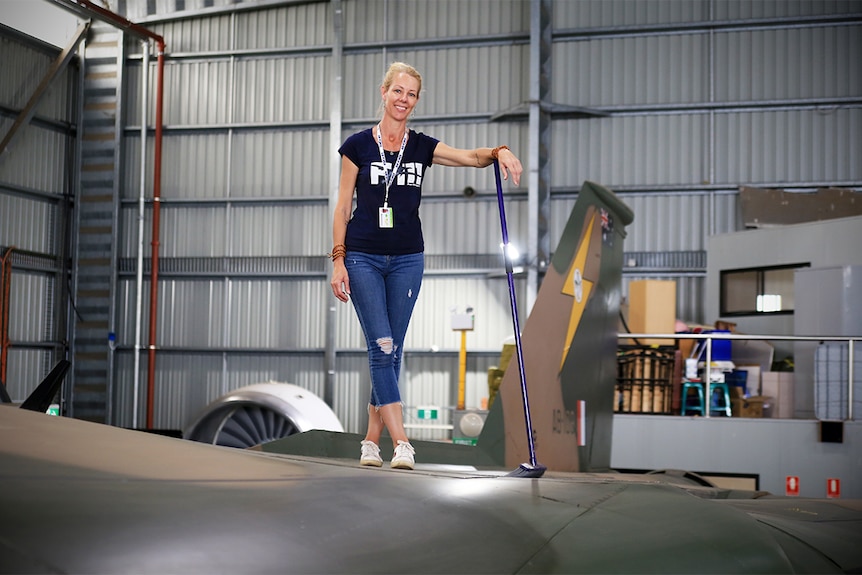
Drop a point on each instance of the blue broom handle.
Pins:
(509, 272)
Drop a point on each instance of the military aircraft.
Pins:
(79, 497)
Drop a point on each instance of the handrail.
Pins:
(851, 342)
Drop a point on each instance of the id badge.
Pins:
(385, 218)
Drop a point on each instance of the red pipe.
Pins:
(121, 22)
(5, 288)
(154, 265)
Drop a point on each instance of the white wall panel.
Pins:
(745, 9)
(294, 230)
(673, 222)
(35, 158)
(281, 89)
(196, 92)
(689, 300)
(194, 166)
(751, 147)
(631, 151)
(195, 35)
(484, 79)
(789, 146)
(291, 163)
(277, 314)
(26, 224)
(239, 314)
(185, 232)
(28, 315)
(24, 67)
(598, 13)
(787, 64)
(382, 20)
(286, 26)
(189, 314)
(363, 74)
(641, 70)
(235, 231)
(263, 164)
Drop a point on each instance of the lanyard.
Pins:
(389, 177)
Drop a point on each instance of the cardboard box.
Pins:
(779, 386)
(748, 406)
(652, 309)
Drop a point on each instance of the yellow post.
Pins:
(462, 369)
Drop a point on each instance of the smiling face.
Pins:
(400, 96)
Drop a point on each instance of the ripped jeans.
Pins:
(384, 290)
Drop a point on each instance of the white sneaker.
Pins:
(370, 454)
(403, 456)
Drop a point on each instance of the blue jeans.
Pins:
(383, 290)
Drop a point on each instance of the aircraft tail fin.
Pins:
(569, 347)
(43, 395)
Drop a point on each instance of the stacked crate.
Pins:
(645, 379)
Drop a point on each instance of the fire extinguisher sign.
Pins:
(833, 488)
(791, 486)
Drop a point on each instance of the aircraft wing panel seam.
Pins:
(792, 535)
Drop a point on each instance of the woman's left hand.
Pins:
(510, 164)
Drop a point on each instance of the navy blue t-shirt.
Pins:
(363, 231)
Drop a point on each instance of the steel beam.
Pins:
(57, 67)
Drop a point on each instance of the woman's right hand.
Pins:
(340, 281)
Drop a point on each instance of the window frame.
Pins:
(761, 272)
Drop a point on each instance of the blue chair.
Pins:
(694, 403)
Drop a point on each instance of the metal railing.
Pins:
(851, 341)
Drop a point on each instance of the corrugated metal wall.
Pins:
(247, 137)
(692, 98)
(693, 110)
(36, 171)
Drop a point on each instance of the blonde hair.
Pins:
(396, 68)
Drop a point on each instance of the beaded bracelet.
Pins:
(337, 252)
(496, 151)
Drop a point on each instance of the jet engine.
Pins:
(260, 413)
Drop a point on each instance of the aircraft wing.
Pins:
(80, 497)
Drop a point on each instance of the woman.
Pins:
(377, 257)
